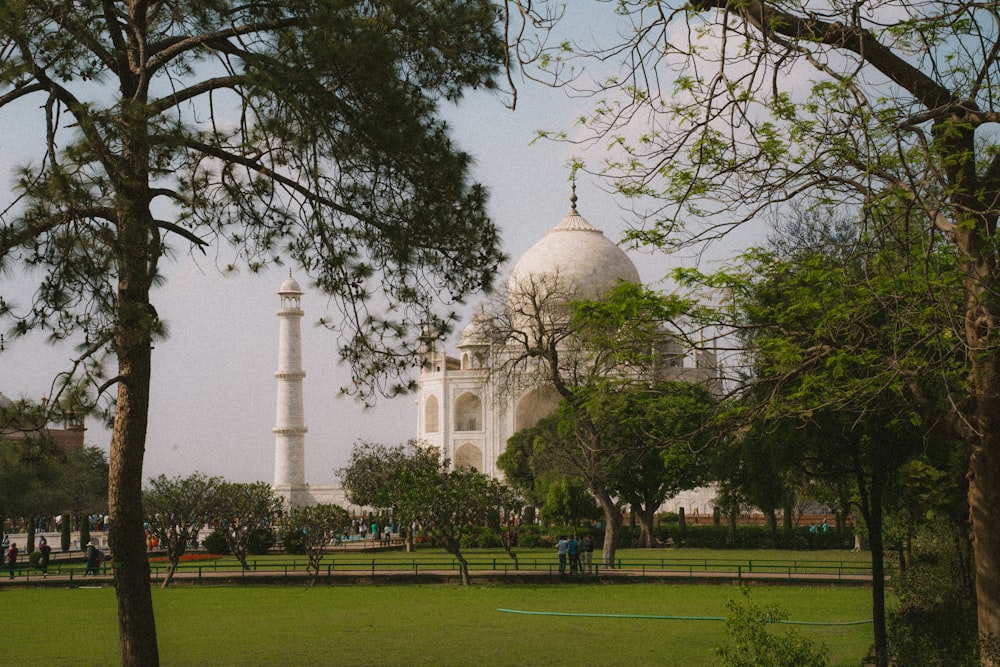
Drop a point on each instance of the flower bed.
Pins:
(186, 558)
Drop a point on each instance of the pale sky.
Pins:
(213, 387)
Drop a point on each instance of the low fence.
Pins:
(359, 568)
(375, 568)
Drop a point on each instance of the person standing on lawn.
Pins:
(562, 549)
(573, 550)
(46, 552)
(12, 558)
(587, 554)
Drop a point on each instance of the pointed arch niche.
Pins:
(468, 412)
(468, 457)
(537, 403)
(431, 411)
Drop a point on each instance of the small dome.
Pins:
(290, 286)
(579, 254)
(475, 332)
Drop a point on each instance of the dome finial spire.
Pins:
(572, 198)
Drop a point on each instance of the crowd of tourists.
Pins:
(578, 555)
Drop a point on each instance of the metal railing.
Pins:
(331, 565)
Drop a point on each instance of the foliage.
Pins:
(753, 646)
(418, 486)
(216, 543)
(935, 621)
(65, 534)
(374, 469)
(38, 476)
(662, 430)
(285, 132)
(720, 112)
(451, 504)
(319, 526)
(837, 332)
(624, 428)
(292, 541)
(84, 524)
(260, 541)
(246, 514)
(566, 501)
(176, 508)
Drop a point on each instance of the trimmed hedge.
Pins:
(697, 536)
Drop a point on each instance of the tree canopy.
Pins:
(720, 111)
(176, 509)
(297, 132)
(244, 513)
(417, 486)
(319, 525)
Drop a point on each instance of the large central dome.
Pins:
(578, 255)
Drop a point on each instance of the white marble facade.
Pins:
(460, 411)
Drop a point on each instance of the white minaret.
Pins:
(290, 426)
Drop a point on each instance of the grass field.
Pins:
(423, 624)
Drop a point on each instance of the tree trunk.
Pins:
(171, 568)
(454, 548)
(984, 510)
(612, 526)
(871, 509)
(136, 626)
(645, 517)
(139, 246)
(878, 584)
(983, 438)
(772, 523)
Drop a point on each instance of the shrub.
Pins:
(260, 541)
(216, 543)
(746, 625)
(935, 622)
(531, 537)
(65, 536)
(293, 542)
(488, 539)
(84, 531)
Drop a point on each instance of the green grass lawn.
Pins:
(420, 624)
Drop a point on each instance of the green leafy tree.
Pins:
(566, 500)
(319, 525)
(505, 513)
(545, 334)
(516, 463)
(293, 131)
(720, 110)
(372, 470)
(839, 368)
(416, 485)
(450, 504)
(41, 477)
(27, 467)
(245, 512)
(761, 468)
(663, 432)
(176, 509)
